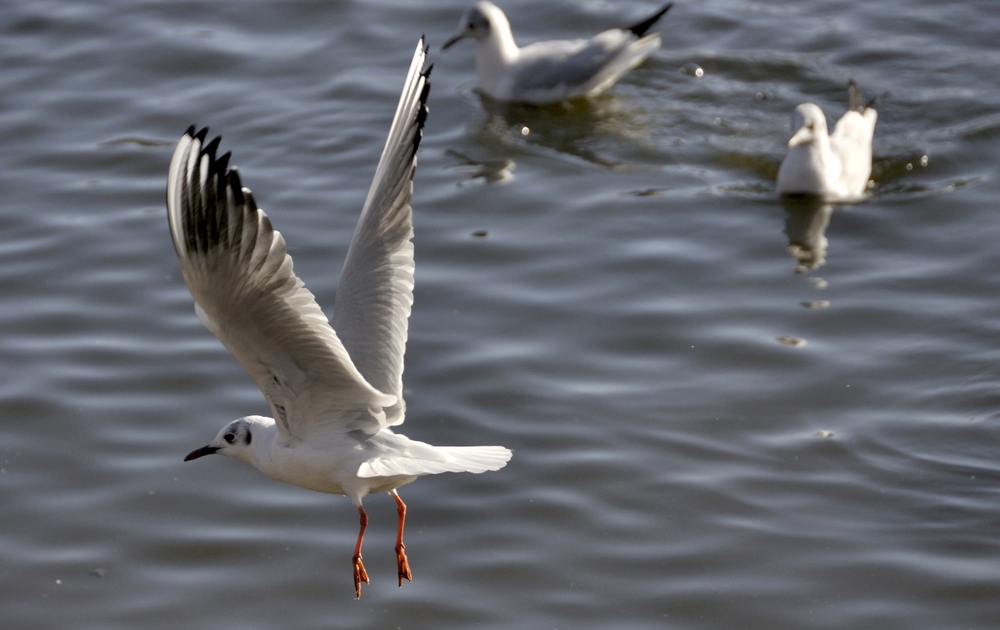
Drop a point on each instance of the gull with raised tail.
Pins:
(835, 166)
(555, 70)
(334, 396)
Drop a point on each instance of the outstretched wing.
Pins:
(247, 295)
(375, 291)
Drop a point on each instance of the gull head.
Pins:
(477, 22)
(235, 440)
(808, 123)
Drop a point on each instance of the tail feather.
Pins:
(473, 459)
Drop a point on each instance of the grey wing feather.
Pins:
(583, 65)
(576, 66)
(247, 294)
(375, 291)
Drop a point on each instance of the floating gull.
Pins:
(551, 71)
(836, 165)
(334, 395)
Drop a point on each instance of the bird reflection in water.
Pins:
(805, 226)
(593, 130)
(490, 171)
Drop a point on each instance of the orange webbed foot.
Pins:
(403, 564)
(360, 575)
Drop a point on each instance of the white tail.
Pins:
(473, 459)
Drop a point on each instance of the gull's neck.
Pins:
(828, 163)
(495, 53)
(819, 165)
(259, 453)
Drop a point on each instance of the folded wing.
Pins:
(851, 142)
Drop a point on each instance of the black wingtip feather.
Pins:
(223, 162)
(424, 110)
(234, 183)
(856, 98)
(205, 225)
(875, 100)
(640, 28)
(210, 149)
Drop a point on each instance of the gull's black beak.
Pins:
(201, 452)
(451, 41)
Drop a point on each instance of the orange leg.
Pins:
(401, 562)
(360, 575)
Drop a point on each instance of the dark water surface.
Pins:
(726, 412)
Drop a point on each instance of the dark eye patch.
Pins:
(229, 438)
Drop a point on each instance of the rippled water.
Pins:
(726, 412)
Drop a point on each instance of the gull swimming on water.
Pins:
(335, 396)
(830, 165)
(555, 70)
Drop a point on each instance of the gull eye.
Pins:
(229, 437)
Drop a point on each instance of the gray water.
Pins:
(726, 412)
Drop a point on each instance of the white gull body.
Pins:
(335, 396)
(834, 166)
(555, 70)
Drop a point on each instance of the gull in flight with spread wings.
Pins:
(834, 166)
(334, 396)
(555, 70)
